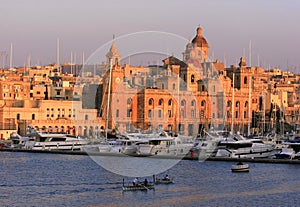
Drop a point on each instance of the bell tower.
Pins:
(114, 55)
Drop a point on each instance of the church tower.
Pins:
(114, 55)
(197, 48)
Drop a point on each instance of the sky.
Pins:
(33, 27)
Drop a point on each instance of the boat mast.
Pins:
(108, 99)
(232, 104)
(249, 106)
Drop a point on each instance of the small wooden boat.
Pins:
(240, 167)
(164, 181)
(137, 187)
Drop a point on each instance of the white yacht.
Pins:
(239, 147)
(163, 144)
(207, 145)
(20, 142)
(55, 141)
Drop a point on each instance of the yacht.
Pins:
(240, 147)
(207, 146)
(55, 141)
(163, 144)
(20, 142)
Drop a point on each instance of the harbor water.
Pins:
(41, 179)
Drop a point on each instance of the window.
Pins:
(245, 80)
(170, 102)
(245, 114)
(162, 86)
(18, 116)
(86, 117)
(203, 103)
(192, 79)
(202, 114)
(150, 113)
(192, 114)
(237, 104)
(169, 113)
(193, 103)
(182, 113)
(160, 102)
(150, 102)
(129, 112)
(117, 113)
(32, 116)
(236, 114)
(159, 113)
(129, 101)
(229, 104)
(174, 86)
(182, 103)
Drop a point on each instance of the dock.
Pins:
(223, 159)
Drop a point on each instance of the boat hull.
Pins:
(164, 181)
(240, 168)
(138, 187)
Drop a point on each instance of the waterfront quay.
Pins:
(187, 157)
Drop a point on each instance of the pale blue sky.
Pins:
(33, 26)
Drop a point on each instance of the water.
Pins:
(31, 179)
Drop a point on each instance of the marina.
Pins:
(78, 181)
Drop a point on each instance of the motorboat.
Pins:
(207, 146)
(21, 142)
(55, 141)
(285, 153)
(240, 147)
(163, 144)
(240, 167)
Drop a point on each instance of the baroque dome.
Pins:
(199, 40)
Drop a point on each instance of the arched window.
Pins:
(174, 86)
(193, 103)
(162, 86)
(237, 104)
(203, 103)
(182, 103)
(228, 103)
(246, 104)
(150, 102)
(160, 102)
(170, 102)
(129, 101)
